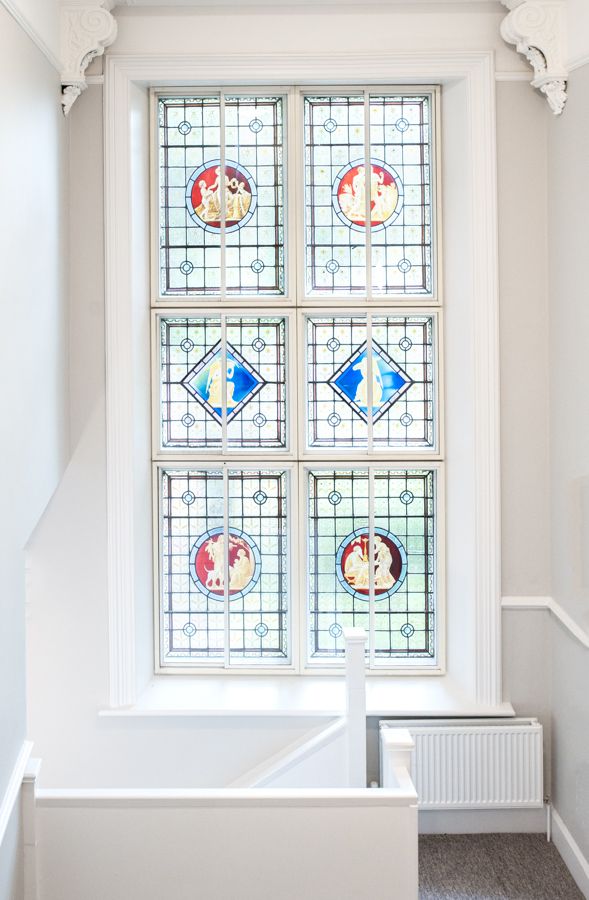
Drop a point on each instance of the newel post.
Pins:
(355, 641)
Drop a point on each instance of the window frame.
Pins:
(298, 458)
(469, 76)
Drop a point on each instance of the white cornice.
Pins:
(87, 28)
(538, 28)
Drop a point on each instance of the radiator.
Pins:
(474, 763)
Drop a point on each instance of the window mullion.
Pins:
(226, 619)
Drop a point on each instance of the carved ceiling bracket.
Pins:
(87, 28)
(537, 28)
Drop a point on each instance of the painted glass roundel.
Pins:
(203, 195)
(389, 560)
(349, 194)
(207, 563)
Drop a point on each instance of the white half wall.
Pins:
(258, 845)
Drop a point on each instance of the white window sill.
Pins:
(294, 695)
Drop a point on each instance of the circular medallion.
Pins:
(203, 195)
(348, 195)
(207, 563)
(352, 563)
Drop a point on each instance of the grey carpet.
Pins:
(492, 867)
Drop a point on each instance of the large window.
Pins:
(297, 432)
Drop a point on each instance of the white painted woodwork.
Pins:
(538, 30)
(471, 330)
(555, 609)
(255, 845)
(355, 643)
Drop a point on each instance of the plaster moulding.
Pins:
(537, 28)
(87, 28)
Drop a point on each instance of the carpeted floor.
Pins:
(492, 867)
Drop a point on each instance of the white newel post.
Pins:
(355, 639)
(28, 811)
(396, 746)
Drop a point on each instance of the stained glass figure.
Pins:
(207, 563)
(205, 382)
(349, 194)
(197, 552)
(353, 562)
(402, 561)
(195, 193)
(402, 376)
(389, 381)
(204, 199)
(192, 382)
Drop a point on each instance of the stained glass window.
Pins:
(401, 584)
(224, 545)
(221, 234)
(388, 137)
(401, 375)
(193, 363)
(253, 395)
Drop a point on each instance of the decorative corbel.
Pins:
(537, 28)
(86, 29)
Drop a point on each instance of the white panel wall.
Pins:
(288, 849)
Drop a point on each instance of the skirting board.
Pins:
(570, 851)
(12, 792)
(482, 821)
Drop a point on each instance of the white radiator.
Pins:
(474, 763)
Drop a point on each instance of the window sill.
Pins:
(294, 695)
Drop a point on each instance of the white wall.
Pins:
(33, 361)
(68, 652)
(568, 234)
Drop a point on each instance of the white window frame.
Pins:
(469, 78)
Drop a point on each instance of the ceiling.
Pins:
(281, 3)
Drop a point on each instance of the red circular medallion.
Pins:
(209, 564)
(205, 195)
(354, 563)
(351, 194)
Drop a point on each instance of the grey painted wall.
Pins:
(568, 357)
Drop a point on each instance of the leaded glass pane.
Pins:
(195, 560)
(402, 381)
(336, 187)
(400, 146)
(189, 140)
(191, 383)
(403, 562)
(192, 608)
(334, 229)
(258, 526)
(191, 200)
(255, 247)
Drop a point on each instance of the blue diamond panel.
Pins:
(205, 382)
(402, 380)
(389, 381)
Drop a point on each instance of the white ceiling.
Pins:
(276, 3)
